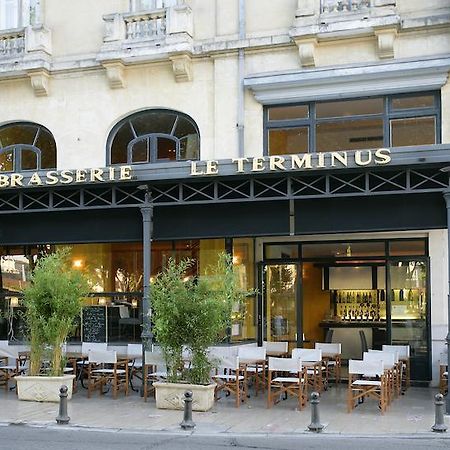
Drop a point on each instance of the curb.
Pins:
(180, 432)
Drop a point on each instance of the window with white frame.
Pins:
(17, 13)
(147, 5)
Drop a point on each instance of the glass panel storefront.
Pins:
(408, 279)
(244, 317)
(351, 292)
(282, 282)
(115, 275)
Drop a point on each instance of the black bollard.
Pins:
(315, 424)
(439, 425)
(187, 423)
(62, 418)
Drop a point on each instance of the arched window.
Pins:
(154, 136)
(26, 146)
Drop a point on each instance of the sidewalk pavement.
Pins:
(411, 414)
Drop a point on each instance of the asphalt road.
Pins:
(19, 437)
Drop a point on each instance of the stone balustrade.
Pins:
(12, 42)
(342, 6)
(145, 25)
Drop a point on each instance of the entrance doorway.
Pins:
(356, 293)
(282, 287)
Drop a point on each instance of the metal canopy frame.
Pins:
(282, 186)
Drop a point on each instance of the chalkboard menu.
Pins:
(94, 324)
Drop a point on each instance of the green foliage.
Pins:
(53, 302)
(193, 313)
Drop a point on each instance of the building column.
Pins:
(147, 231)
(447, 339)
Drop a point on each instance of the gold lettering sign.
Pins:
(303, 161)
(79, 176)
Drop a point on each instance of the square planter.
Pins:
(43, 389)
(171, 395)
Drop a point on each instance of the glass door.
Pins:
(409, 311)
(281, 291)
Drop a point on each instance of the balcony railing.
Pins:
(145, 25)
(343, 6)
(12, 43)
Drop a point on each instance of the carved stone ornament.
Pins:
(306, 51)
(182, 67)
(115, 73)
(39, 82)
(386, 39)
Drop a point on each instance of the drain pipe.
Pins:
(240, 112)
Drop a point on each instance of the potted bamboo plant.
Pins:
(191, 313)
(53, 302)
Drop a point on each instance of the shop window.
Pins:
(26, 146)
(281, 251)
(343, 249)
(154, 136)
(408, 248)
(400, 120)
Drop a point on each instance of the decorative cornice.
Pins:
(349, 81)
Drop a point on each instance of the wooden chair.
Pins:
(366, 379)
(403, 352)
(103, 369)
(255, 365)
(154, 370)
(331, 357)
(443, 373)
(278, 349)
(390, 365)
(287, 376)
(231, 379)
(9, 371)
(134, 354)
(81, 363)
(312, 360)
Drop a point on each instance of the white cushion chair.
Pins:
(312, 360)
(134, 354)
(254, 361)
(286, 376)
(11, 365)
(405, 366)
(390, 366)
(230, 378)
(366, 379)
(276, 348)
(154, 370)
(104, 368)
(331, 357)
